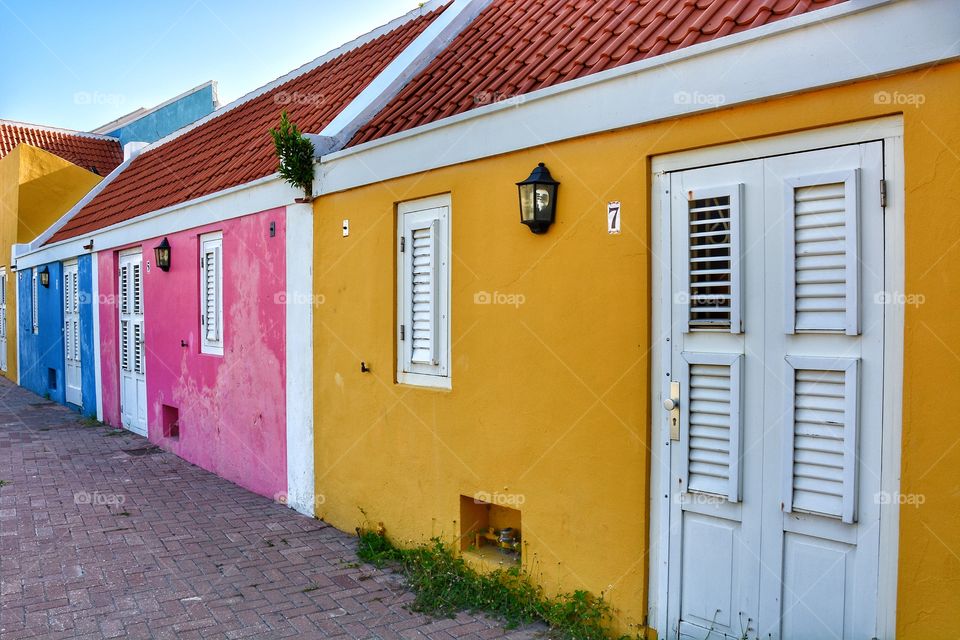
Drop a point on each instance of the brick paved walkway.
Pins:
(187, 554)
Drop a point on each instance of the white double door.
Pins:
(777, 274)
(71, 333)
(132, 343)
(3, 319)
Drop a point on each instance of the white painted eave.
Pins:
(252, 197)
(845, 43)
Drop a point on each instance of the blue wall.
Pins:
(169, 118)
(88, 379)
(43, 351)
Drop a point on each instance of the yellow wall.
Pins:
(36, 188)
(550, 399)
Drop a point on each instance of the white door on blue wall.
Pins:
(3, 318)
(133, 380)
(777, 277)
(71, 332)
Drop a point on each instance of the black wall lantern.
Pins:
(538, 199)
(45, 277)
(162, 252)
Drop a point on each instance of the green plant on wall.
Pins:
(296, 155)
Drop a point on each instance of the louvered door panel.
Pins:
(125, 345)
(713, 300)
(424, 294)
(820, 461)
(822, 248)
(712, 417)
(211, 267)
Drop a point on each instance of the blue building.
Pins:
(55, 329)
(150, 125)
(56, 301)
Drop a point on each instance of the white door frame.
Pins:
(5, 337)
(73, 265)
(889, 130)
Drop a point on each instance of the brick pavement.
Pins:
(186, 555)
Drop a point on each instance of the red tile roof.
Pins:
(92, 152)
(518, 46)
(234, 147)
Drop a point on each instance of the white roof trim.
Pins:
(835, 45)
(140, 113)
(40, 127)
(404, 67)
(235, 202)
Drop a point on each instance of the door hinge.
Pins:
(403, 333)
(883, 194)
(403, 244)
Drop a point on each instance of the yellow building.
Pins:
(43, 172)
(762, 448)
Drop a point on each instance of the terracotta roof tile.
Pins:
(234, 146)
(517, 46)
(92, 152)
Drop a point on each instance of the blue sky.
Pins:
(124, 55)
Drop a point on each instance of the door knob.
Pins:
(671, 403)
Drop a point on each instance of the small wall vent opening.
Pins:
(489, 529)
(170, 417)
(52, 379)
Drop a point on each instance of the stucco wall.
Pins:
(169, 118)
(41, 353)
(550, 398)
(231, 407)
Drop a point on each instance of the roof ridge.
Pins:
(72, 132)
(422, 10)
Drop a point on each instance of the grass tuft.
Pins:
(443, 584)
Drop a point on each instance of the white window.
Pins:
(211, 293)
(34, 301)
(423, 292)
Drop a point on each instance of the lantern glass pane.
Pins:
(527, 203)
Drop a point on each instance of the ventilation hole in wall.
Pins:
(171, 421)
(489, 528)
(52, 379)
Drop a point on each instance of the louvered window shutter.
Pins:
(820, 447)
(211, 292)
(712, 300)
(423, 287)
(712, 415)
(35, 304)
(822, 247)
(423, 290)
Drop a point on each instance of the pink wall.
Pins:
(232, 407)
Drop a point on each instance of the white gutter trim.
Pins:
(252, 197)
(884, 32)
(404, 67)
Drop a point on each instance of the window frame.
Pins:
(438, 376)
(208, 346)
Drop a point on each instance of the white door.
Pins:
(777, 365)
(3, 318)
(71, 332)
(133, 380)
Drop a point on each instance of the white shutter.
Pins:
(423, 292)
(124, 289)
(138, 347)
(822, 248)
(710, 410)
(423, 286)
(211, 292)
(712, 299)
(820, 447)
(125, 345)
(35, 304)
